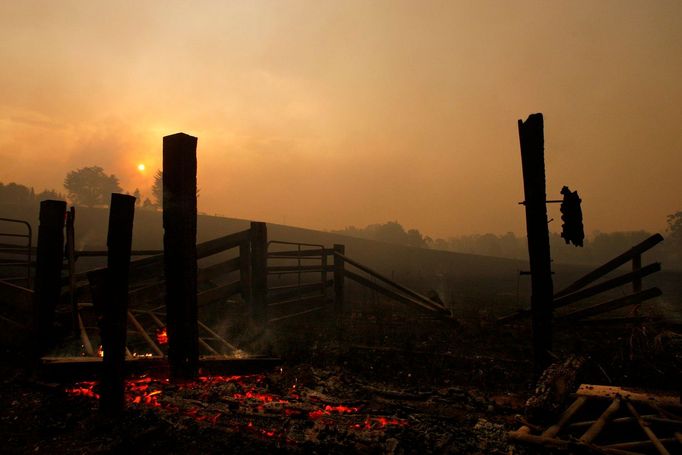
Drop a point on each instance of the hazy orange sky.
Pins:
(327, 114)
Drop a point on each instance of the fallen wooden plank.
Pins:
(608, 392)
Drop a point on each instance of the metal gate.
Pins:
(16, 251)
(297, 278)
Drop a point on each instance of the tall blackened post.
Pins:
(533, 163)
(115, 304)
(48, 271)
(259, 264)
(180, 252)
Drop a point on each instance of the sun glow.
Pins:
(141, 167)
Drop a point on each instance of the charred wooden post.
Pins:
(339, 275)
(115, 303)
(48, 271)
(71, 260)
(259, 267)
(180, 252)
(245, 276)
(532, 140)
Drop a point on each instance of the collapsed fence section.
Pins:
(584, 288)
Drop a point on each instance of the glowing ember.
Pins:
(374, 423)
(249, 394)
(162, 336)
(329, 410)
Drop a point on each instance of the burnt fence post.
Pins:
(259, 267)
(115, 303)
(49, 262)
(180, 253)
(531, 135)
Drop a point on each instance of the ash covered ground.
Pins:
(447, 389)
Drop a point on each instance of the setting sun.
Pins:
(141, 167)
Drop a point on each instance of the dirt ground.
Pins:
(445, 388)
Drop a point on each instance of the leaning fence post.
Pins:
(259, 267)
(339, 275)
(49, 261)
(115, 304)
(180, 253)
(532, 140)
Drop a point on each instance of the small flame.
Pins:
(100, 351)
(162, 336)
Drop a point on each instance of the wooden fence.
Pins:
(580, 290)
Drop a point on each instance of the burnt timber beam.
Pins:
(48, 271)
(115, 303)
(531, 136)
(180, 252)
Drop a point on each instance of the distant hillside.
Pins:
(467, 281)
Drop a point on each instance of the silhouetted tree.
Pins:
(138, 197)
(391, 231)
(50, 194)
(90, 186)
(673, 243)
(148, 204)
(14, 193)
(157, 189)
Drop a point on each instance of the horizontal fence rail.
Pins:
(611, 265)
(414, 296)
(579, 290)
(293, 300)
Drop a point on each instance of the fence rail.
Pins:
(578, 290)
(17, 249)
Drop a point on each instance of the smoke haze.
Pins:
(328, 114)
